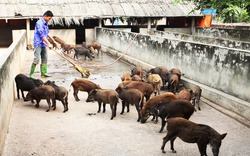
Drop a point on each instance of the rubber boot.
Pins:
(43, 68)
(32, 70)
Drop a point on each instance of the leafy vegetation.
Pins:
(232, 11)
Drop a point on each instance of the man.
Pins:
(41, 36)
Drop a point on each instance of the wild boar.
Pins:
(186, 94)
(96, 46)
(126, 77)
(42, 92)
(196, 96)
(156, 81)
(83, 51)
(175, 108)
(137, 70)
(24, 83)
(130, 96)
(147, 106)
(83, 85)
(146, 88)
(67, 47)
(191, 132)
(162, 71)
(136, 78)
(104, 96)
(176, 71)
(173, 83)
(61, 94)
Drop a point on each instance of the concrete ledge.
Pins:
(225, 103)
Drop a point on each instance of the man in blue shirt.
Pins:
(41, 36)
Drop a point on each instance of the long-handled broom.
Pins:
(84, 72)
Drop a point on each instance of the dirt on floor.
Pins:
(83, 131)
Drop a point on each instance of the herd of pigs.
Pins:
(174, 107)
(88, 51)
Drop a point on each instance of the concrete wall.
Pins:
(204, 39)
(68, 35)
(223, 69)
(10, 65)
(179, 30)
(232, 34)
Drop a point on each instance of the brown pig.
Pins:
(156, 81)
(165, 97)
(126, 77)
(83, 85)
(130, 96)
(186, 94)
(146, 88)
(191, 132)
(104, 96)
(196, 96)
(136, 78)
(42, 92)
(137, 70)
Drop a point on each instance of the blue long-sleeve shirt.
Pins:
(41, 30)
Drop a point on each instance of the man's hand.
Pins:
(50, 46)
(58, 46)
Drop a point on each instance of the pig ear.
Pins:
(94, 91)
(191, 91)
(222, 136)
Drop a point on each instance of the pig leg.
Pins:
(193, 103)
(75, 95)
(37, 102)
(202, 145)
(17, 90)
(172, 145)
(147, 97)
(163, 123)
(48, 101)
(113, 109)
(22, 94)
(123, 106)
(127, 104)
(170, 136)
(198, 103)
(54, 104)
(104, 107)
(99, 107)
(138, 112)
(65, 105)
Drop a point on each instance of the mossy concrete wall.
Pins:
(11, 61)
(226, 70)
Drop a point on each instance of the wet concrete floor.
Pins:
(32, 131)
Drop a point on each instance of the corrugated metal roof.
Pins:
(86, 9)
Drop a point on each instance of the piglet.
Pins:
(104, 96)
(43, 92)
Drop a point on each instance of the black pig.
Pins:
(175, 108)
(24, 83)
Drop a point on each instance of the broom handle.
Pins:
(64, 57)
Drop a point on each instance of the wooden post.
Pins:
(28, 31)
(149, 25)
(100, 22)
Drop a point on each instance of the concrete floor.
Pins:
(32, 131)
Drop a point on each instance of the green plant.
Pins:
(227, 10)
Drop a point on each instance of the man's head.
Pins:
(47, 16)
